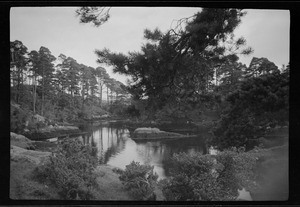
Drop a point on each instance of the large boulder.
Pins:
(21, 141)
(148, 132)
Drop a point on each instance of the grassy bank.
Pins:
(25, 186)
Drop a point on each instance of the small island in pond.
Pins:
(148, 134)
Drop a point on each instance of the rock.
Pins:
(35, 157)
(39, 118)
(21, 141)
(148, 132)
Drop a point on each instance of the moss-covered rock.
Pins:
(35, 157)
(148, 132)
(21, 141)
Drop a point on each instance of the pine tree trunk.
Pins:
(111, 97)
(43, 94)
(18, 87)
(34, 94)
(82, 106)
(101, 87)
(72, 97)
(107, 95)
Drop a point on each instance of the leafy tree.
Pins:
(260, 66)
(70, 74)
(93, 83)
(101, 76)
(61, 73)
(85, 77)
(45, 70)
(71, 170)
(231, 73)
(256, 104)
(178, 66)
(34, 60)
(88, 85)
(108, 84)
(209, 177)
(18, 63)
(120, 90)
(96, 15)
(139, 180)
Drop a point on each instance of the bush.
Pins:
(18, 118)
(253, 106)
(238, 171)
(209, 177)
(139, 180)
(189, 170)
(71, 170)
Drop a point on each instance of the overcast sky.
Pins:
(58, 29)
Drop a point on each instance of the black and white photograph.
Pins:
(136, 103)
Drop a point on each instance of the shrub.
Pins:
(18, 118)
(209, 177)
(238, 171)
(253, 106)
(187, 171)
(71, 170)
(139, 180)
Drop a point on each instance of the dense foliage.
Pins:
(139, 180)
(71, 170)
(18, 118)
(59, 88)
(208, 177)
(176, 68)
(96, 15)
(257, 104)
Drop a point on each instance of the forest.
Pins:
(177, 77)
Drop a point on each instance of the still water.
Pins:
(116, 148)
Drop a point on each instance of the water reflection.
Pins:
(116, 148)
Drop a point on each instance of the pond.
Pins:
(116, 148)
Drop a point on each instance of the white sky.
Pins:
(57, 28)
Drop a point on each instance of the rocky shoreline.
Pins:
(53, 132)
(26, 155)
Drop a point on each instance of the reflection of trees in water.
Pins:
(115, 145)
(151, 152)
(101, 153)
(189, 145)
(110, 141)
(161, 151)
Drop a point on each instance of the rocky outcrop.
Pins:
(148, 132)
(18, 154)
(22, 148)
(21, 141)
(51, 132)
(154, 133)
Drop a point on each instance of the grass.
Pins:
(24, 187)
(111, 187)
(275, 171)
